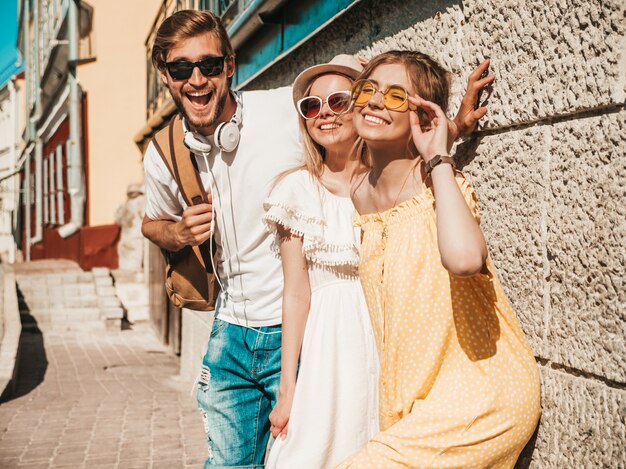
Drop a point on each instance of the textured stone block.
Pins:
(586, 239)
(582, 425)
(550, 57)
(511, 202)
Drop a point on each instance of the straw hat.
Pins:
(343, 64)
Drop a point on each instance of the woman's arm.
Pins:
(296, 303)
(460, 240)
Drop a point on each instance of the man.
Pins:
(241, 369)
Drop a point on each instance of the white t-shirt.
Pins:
(249, 270)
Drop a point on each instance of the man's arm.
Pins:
(193, 229)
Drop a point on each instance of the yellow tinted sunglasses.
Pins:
(395, 97)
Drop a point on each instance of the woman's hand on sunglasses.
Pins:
(470, 111)
(430, 133)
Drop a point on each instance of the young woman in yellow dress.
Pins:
(459, 387)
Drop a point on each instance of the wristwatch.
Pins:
(437, 160)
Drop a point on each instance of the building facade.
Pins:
(11, 145)
(81, 109)
(548, 164)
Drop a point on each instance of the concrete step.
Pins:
(70, 296)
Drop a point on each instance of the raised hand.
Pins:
(431, 135)
(470, 113)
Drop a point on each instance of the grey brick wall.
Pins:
(549, 167)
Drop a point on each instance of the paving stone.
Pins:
(82, 412)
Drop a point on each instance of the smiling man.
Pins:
(241, 369)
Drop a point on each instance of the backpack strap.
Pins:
(169, 143)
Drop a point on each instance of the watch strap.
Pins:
(437, 160)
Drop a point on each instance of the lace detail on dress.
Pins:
(324, 221)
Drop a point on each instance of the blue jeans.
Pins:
(237, 389)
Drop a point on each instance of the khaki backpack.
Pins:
(189, 278)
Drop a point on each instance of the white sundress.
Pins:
(335, 405)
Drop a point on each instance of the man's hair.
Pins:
(186, 24)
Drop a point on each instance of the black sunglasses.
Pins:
(182, 69)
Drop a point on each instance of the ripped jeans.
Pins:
(237, 389)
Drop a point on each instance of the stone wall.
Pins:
(549, 167)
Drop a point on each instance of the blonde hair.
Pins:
(314, 153)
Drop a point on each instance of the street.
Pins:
(88, 397)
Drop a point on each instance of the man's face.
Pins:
(200, 99)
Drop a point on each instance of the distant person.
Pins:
(129, 216)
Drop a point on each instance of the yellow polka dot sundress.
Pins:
(459, 387)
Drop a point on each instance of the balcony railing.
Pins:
(51, 16)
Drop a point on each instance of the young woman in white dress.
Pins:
(333, 409)
(327, 341)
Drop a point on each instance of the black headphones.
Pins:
(226, 135)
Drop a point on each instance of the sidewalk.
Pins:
(88, 397)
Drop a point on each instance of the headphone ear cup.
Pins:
(227, 136)
(196, 145)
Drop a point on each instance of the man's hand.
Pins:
(192, 230)
(469, 113)
(195, 226)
